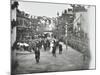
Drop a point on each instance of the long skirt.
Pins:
(51, 48)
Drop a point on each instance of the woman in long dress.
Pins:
(51, 46)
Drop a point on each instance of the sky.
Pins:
(42, 9)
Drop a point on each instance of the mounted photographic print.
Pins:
(51, 37)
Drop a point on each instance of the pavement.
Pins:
(69, 60)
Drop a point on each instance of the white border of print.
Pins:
(5, 37)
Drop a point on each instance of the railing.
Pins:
(79, 44)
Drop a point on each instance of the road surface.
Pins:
(70, 59)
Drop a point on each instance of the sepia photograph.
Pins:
(51, 37)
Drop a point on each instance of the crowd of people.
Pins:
(50, 44)
(47, 45)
